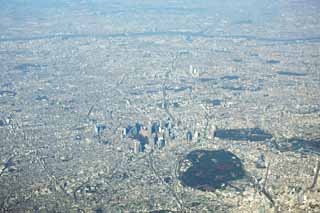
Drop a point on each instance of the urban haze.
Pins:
(159, 106)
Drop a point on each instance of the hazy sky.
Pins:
(251, 17)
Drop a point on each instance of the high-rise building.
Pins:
(155, 138)
(214, 130)
(191, 69)
(136, 146)
(155, 127)
(99, 128)
(161, 142)
(189, 136)
(197, 136)
(124, 132)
